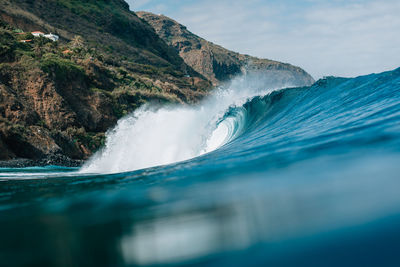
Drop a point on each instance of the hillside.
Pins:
(61, 97)
(215, 62)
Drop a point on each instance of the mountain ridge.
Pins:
(215, 62)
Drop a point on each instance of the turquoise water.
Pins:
(292, 177)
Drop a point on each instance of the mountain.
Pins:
(215, 62)
(57, 99)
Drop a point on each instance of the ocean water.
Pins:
(261, 173)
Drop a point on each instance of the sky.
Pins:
(343, 38)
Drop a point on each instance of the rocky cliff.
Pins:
(215, 62)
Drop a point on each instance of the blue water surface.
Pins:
(311, 178)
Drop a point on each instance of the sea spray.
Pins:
(158, 136)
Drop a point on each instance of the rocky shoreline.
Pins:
(56, 160)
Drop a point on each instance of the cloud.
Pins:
(342, 38)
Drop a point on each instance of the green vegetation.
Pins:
(7, 45)
(93, 141)
(91, 7)
(62, 69)
(95, 10)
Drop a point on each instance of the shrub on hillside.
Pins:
(63, 70)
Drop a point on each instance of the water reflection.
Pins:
(282, 218)
(271, 217)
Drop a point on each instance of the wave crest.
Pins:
(153, 137)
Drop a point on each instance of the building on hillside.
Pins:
(37, 34)
(52, 37)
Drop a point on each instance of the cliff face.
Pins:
(215, 62)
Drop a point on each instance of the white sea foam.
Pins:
(152, 137)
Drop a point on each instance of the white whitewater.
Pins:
(152, 137)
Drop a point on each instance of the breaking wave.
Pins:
(159, 136)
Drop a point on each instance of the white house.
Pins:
(52, 37)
